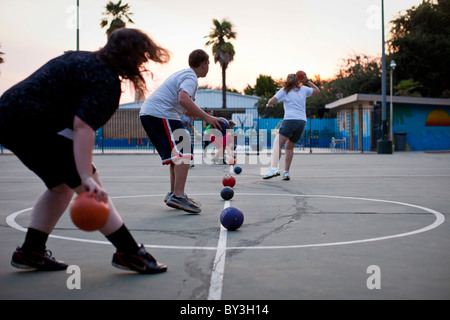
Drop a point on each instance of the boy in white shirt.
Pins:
(161, 118)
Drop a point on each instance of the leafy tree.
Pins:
(265, 88)
(420, 44)
(315, 105)
(358, 74)
(117, 13)
(222, 50)
(409, 88)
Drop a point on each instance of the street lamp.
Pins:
(391, 122)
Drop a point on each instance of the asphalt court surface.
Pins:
(347, 226)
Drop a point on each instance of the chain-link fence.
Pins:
(124, 132)
(352, 129)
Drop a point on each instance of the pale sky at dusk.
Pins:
(273, 37)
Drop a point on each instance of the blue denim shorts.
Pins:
(293, 129)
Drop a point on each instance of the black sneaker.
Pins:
(167, 196)
(142, 262)
(184, 203)
(36, 260)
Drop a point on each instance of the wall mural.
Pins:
(426, 128)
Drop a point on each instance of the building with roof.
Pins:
(419, 124)
(240, 108)
(125, 123)
(212, 99)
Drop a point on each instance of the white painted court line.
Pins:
(216, 283)
(217, 275)
(439, 220)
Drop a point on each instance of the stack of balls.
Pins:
(231, 218)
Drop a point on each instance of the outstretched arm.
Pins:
(271, 102)
(185, 100)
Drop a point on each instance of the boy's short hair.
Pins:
(197, 57)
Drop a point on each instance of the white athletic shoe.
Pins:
(273, 172)
(286, 176)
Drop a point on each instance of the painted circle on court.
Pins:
(10, 220)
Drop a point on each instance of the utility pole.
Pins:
(78, 25)
(384, 144)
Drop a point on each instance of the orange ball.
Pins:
(87, 213)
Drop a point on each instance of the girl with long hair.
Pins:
(291, 130)
(49, 121)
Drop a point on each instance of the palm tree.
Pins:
(223, 51)
(118, 13)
